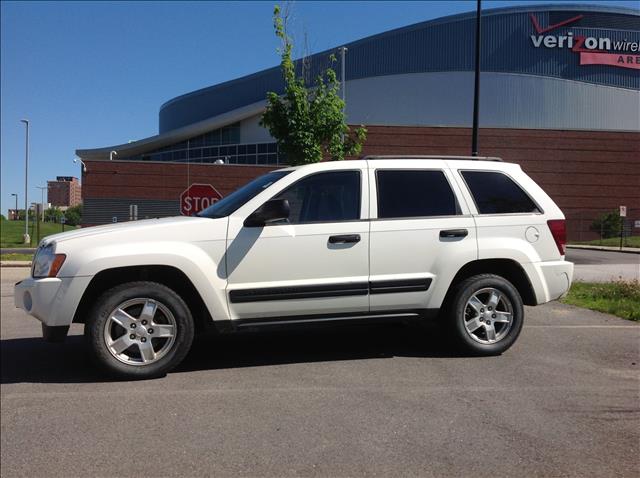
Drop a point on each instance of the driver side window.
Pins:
(324, 197)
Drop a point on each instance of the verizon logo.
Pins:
(592, 50)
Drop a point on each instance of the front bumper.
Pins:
(52, 300)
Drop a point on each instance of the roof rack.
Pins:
(411, 156)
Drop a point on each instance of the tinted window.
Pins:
(325, 197)
(410, 193)
(497, 193)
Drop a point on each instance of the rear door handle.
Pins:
(454, 233)
(345, 239)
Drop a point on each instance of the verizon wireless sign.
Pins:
(599, 50)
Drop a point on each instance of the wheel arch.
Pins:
(169, 276)
(506, 268)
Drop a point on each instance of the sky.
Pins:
(94, 74)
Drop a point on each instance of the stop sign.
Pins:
(198, 197)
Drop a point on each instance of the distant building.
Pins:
(65, 191)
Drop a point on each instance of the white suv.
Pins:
(466, 241)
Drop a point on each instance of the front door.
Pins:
(314, 264)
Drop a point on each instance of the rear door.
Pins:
(421, 233)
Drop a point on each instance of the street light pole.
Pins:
(16, 209)
(476, 91)
(26, 237)
(42, 188)
(343, 52)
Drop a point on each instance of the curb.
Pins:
(15, 263)
(628, 250)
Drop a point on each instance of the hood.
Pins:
(160, 226)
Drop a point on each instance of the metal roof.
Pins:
(442, 44)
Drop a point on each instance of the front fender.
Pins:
(202, 262)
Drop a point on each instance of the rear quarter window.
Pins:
(496, 193)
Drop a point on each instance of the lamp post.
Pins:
(476, 90)
(42, 188)
(343, 52)
(16, 209)
(26, 238)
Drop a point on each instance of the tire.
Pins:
(139, 330)
(478, 324)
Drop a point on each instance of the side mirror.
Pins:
(271, 211)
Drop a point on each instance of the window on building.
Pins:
(220, 144)
(496, 193)
(324, 197)
(414, 193)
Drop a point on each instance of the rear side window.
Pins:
(414, 193)
(497, 193)
(324, 197)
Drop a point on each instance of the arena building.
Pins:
(560, 95)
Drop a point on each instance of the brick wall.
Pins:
(581, 170)
(64, 193)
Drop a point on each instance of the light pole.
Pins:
(111, 154)
(26, 238)
(476, 90)
(42, 188)
(343, 52)
(16, 209)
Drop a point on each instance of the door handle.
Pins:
(454, 233)
(345, 239)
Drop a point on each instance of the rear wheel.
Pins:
(139, 330)
(485, 315)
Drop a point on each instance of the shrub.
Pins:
(607, 224)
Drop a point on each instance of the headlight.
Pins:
(46, 263)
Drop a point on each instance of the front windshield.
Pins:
(229, 204)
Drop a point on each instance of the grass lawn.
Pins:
(16, 257)
(621, 298)
(633, 241)
(11, 232)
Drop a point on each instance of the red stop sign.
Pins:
(198, 197)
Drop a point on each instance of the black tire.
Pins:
(459, 314)
(173, 350)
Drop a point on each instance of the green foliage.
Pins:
(621, 298)
(607, 224)
(53, 214)
(2, 218)
(11, 232)
(74, 215)
(21, 214)
(627, 241)
(308, 123)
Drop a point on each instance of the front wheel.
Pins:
(139, 330)
(486, 314)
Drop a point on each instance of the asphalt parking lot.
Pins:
(604, 266)
(386, 401)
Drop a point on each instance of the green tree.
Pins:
(73, 215)
(308, 123)
(53, 214)
(607, 224)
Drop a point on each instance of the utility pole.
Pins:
(26, 238)
(42, 188)
(476, 92)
